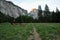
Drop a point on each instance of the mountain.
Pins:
(34, 13)
(8, 8)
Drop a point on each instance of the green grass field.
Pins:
(47, 31)
(14, 32)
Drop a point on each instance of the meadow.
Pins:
(46, 31)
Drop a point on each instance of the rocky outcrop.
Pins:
(34, 13)
(8, 8)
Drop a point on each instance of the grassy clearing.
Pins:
(14, 32)
(48, 31)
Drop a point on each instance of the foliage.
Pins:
(5, 18)
(48, 16)
(24, 19)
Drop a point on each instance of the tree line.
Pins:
(43, 16)
(47, 16)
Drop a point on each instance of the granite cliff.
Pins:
(9, 8)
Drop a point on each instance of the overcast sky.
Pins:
(30, 4)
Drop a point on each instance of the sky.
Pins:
(30, 4)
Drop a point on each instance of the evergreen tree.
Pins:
(2, 17)
(57, 15)
(24, 19)
(57, 10)
(46, 8)
(39, 13)
(47, 13)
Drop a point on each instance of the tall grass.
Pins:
(48, 31)
(14, 32)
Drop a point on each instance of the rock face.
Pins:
(8, 8)
(34, 13)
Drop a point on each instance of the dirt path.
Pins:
(35, 35)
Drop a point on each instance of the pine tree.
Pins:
(39, 13)
(47, 13)
(57, 15)
(46, 8)
(57, 10)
